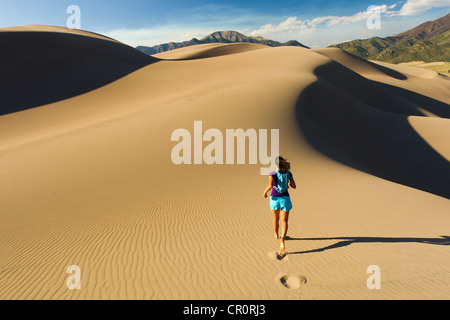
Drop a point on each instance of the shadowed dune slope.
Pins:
(359, 65)
(371, 67)
(41, 67)
(365, 125)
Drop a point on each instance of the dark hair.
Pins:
(283, 164)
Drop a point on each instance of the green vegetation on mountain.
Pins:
(429, 42)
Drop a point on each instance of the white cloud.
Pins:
(290, 28)
(293, 24)
(360, 15)
(416, 7)
(290, 24)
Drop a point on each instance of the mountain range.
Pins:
(217, 37)
(428, 42)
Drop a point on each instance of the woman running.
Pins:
(280, 200)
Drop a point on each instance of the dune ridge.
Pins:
(209, 50)
(54, 64)
(53, 29)
(88, 181)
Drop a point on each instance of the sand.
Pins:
(88, 180)
(208, 50)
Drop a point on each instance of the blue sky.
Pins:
(316, 23)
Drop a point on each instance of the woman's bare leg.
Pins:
(284, 228)
(276, 219)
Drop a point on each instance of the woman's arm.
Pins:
(292, 182)
(268, 187)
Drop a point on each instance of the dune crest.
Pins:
(42, 65)
(47, 28)
(203, 51)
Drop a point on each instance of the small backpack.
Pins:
(283, 182)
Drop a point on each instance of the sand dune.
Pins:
(41, 65)
(366, 126)
(53, 29)
(359, 65)
(208, 50)
(89, 180)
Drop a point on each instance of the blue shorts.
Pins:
(283, 203)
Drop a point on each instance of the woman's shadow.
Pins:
(346, 241)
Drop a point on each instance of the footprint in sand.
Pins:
(276, 255)
(292, 282)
